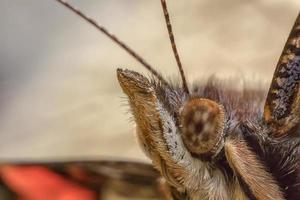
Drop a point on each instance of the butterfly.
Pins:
(208, 141)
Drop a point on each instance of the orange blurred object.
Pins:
(39, 183)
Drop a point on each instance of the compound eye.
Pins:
(202, 123)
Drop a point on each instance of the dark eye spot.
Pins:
(199, 128)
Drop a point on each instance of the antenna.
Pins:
(116, 40)
(173, 44)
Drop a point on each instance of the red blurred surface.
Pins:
(39, 183)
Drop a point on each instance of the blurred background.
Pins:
(60, 98)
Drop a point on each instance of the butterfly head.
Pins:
(198, 121)
(177, 131)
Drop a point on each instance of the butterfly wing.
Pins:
(79, 180)
(281, 110)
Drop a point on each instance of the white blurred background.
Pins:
(59, 96)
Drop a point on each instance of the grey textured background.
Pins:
(59, 94)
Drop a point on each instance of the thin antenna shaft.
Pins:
(173, 44)
(116, 40)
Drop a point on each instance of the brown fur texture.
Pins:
(245, 163)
